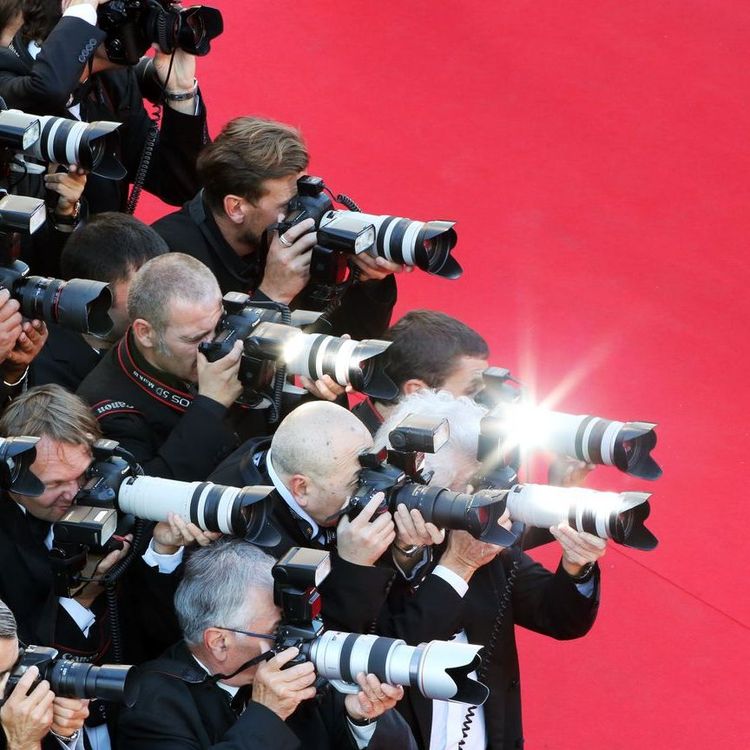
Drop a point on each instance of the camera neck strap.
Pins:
(172, 394)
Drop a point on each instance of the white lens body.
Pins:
(153, 498)
(421, 667)
(543, 506)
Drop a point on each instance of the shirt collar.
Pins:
(231, 689)
(294, 506)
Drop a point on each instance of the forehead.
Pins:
(54, 457)
(281, 189)
(188, 316)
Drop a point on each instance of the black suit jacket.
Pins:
(27, 586)
(172, 714)
(366, 308)
(548, 603)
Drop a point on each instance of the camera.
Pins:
(114, 482)
(344, 233)
(439, 669)
(271, 343)
(132, 26)
(513, 426)
(17, 454)
(66, 141)
(618, 516)
(398, 475)
(72, 679)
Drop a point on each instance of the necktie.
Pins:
(240, 699)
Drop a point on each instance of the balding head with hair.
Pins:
(315, 453)
(174, 305)
(164, 279)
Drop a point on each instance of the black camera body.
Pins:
(73, 679)
(344, 234)
(258, 365)
(132, 26)
(296, 578)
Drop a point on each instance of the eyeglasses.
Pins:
(264, 636)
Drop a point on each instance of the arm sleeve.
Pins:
(550, 603)
(366, 309)
(56, 71)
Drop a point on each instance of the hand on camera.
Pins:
(10, 324)
(288, 262)
(465, 554)
(26, 717)
(69, 185)
(29, 343)
(579, 548)
(374, 699)
(98, 568)
(325, 388)
(567, 472)
(175, 532)
(219, 380)
(376, 269)
(361, 542)
(68, 715)
(282, 690)
(413, 530)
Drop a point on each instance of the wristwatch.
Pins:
(586, 573)
(363, 722)
(71, 738)
(409, 551)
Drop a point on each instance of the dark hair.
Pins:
(427, 345)
(7, 622)
(109, 248)
(247, 152)
(9, 9)
(39, 18)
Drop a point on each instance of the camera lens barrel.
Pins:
(211, 507)
(608, 515)
(349, 362)
(71, 679)
(439, 669)
(79, 304)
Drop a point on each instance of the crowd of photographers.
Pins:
(160, 470)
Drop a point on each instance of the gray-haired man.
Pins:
(194, 697)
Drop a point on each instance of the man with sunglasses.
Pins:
(218, 688)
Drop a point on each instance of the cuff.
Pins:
(587, 588)
(82, 617)
(452, 579)
(165, 563)
(84, 12)
(362, 735)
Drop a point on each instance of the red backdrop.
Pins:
(594, 156)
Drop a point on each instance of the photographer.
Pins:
(249, 175)
(110, 248)
(144, 393)
(210, 691)
(478, 592)
(30, 715)
(429, 349)
(56, 66)
(313, 463)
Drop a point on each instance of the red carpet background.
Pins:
(595, 158)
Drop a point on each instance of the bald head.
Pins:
(317, 439)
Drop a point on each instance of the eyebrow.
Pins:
(196, 336)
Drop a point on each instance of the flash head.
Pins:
(417, 433)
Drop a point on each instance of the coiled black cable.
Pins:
(489, 649)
